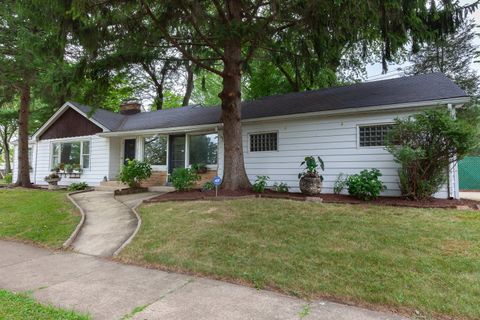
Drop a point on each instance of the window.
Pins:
(264, 142)
(203, 149)
(155, 150)
(374, 135)
(75, 153)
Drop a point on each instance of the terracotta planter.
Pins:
(310, 185)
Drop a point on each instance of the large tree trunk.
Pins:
(6, 153)
(234, 176)
(189, 87)
(23, 179)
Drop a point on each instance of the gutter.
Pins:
(162, 130)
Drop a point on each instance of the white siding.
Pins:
(332, 138)
(115, 158)
(99, 161)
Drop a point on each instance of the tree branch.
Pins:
(175, 43)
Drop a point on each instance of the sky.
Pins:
(374, 71)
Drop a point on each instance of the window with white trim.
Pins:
(267, 141)
(373, 135)
(203, 149)
(155, 150)
(76, 153)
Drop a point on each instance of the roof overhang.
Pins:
(57, 115)
(185, 129)
(399, 106)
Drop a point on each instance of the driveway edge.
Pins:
(139, 224)
(75, 232)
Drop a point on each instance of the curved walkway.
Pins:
(108, 224)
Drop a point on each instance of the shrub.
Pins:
(78, 186)
(340, 184)
(135, 172)
(8, 178)
(280, 187)
(366, 185)
(425, 145)
(199, 167)
(207, 186)
(260, 184)
(184, 178)
(311, 166)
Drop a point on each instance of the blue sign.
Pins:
(217, 181)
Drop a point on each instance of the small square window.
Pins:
(374, 135)
(264, 142)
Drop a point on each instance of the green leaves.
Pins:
(366, 185)
(425, 145)
(135, 172)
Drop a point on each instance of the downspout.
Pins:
(451, 178)
(36, 159)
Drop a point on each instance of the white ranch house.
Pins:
(345, 126)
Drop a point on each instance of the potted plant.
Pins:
(310, 179)
(53, 180)
(199, 168)
(68, 168)
(56, 169)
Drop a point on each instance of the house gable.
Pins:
(70, 124)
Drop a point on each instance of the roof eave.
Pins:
(357, 110)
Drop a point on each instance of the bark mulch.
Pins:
(195, 195)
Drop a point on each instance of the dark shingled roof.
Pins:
(434, 86)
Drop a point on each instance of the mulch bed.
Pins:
(326, 198)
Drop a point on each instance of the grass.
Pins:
(38, 216)
(20, 307)
(403, 258)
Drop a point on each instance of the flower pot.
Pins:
(310, 185)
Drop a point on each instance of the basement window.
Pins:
(267, 141)
(374, 135)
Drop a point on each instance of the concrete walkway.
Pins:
(108, 224)
(109, 290)
(109, 221)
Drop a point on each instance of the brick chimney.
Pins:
(130, 106)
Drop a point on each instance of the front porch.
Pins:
(166, 151)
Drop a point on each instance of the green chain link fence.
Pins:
(469, 173)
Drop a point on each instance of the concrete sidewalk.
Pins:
(110, 290)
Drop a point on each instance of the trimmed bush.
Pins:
(134, 172)
(425, 145)
(184, 178)
(78, 186)
(366, 185)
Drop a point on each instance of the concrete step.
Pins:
(161, 189)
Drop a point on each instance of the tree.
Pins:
(451, 54)
(8, 127)
(231, 32)
(33, 39)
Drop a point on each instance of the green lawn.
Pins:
(409, 259)
(21, 307)
(42, 217)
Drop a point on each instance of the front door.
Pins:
(176, 152)
(129, 150)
